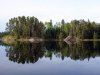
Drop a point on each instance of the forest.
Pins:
(27, 27)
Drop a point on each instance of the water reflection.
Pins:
(32, 52)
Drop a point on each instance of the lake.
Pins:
(50, 58)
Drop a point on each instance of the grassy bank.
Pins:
(9, 39)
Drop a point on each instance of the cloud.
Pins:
(50, 9)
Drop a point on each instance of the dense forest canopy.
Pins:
(32, 27)
(25, 27)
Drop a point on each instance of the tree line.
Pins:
(31, 27)
(2, 34)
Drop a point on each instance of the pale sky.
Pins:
(45, 10)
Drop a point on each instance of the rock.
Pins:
(71, 39)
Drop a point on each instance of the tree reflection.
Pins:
(25, 52)
(32, 52)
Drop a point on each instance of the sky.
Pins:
(45, 10)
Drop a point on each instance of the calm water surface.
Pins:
(50, 58)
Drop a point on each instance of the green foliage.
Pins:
(82, 29)
(32, 27)
(25, 27)
(48, 24)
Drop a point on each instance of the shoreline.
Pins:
(11, 39)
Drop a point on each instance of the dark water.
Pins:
(50, 58)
